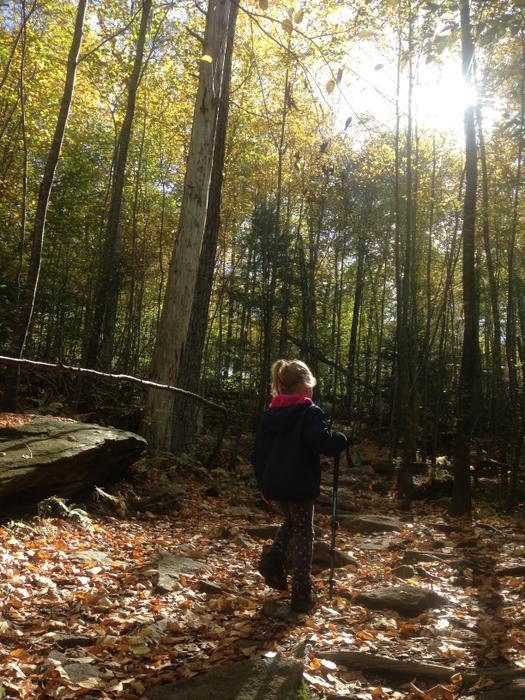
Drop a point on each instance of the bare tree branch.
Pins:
(111, 377)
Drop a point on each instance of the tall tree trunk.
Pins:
(184, 269)
(185, 416)
(395, 417)
(23, 208)
(470, 359)
(130, 326)
(515, 401)
(496, 375)
(358, 300)
(283, 244)
(109, 283)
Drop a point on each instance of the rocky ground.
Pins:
(129, 604)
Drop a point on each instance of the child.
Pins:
(291, 436)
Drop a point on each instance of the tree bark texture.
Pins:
(184, 267)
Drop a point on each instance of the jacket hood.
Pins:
(282, 400)
(282, 419)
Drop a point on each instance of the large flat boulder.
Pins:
(45, 456)
(406, 600)
(272, 679)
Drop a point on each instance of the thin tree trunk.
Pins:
(469, 375)
(358, 300)
(130, 327)
(109, 284)
(516, 426)
(23, 208)
(25, 313)
(395, 418)
(496, 382)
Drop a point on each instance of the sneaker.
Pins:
(274, 576)
(303, 602)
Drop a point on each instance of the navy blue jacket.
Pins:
(287, 448)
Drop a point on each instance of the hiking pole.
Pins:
(335, 486)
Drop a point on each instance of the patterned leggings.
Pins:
(299, 526)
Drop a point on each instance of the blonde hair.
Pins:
(290, 375)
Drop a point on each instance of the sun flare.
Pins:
(440, 103)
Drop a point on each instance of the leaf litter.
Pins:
(80, 617)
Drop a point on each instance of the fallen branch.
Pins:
(111, 377)
(385, 664)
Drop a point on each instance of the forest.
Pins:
(349, 192)
(191, 190)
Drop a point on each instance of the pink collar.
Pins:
(283, 400)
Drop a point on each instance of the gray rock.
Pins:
(51, 456)
(376, 545)
(90, 556)
(372, 523)
(272, 679)
(58, 656)
(321, 558)
(301, 649)
(279, 610)
(414, 557)
(404, 571)
(406, 600)
(169, 567)
(264, 532)
(81, 672)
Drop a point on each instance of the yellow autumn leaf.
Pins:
(298, 16)
(207, 58)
